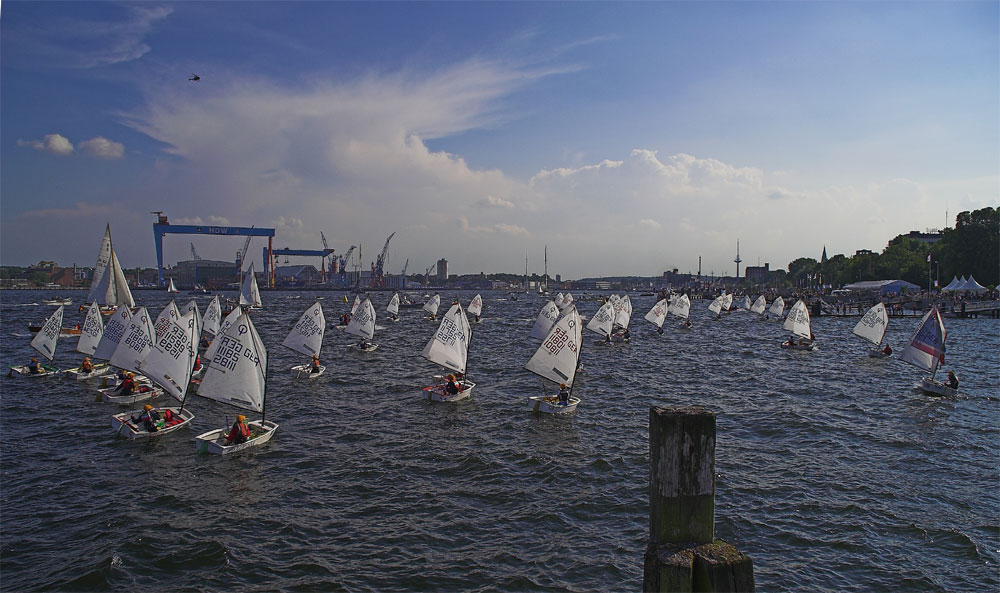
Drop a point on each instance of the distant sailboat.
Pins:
(449, 348)
(108, 286)
(798, 323)
(777, 307)
(872, 328)
(546, 318)
(759, 305)
(476, 307)
(45, 343)
(362, 324)
(658, 314)
(171, 288)
(432, 305)
(306, 337)
(603, 321)
(393, 307)
(249, 293)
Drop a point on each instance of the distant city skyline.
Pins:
(631, 138)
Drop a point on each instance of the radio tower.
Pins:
(737, 260)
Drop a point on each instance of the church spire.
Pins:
(822, 260)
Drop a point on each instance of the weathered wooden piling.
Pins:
(683, 554)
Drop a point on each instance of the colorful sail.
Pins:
(926, 346)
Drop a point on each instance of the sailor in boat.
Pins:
(148, 418)
(314, 367)
(626, 335)
(86, 366)
(887, 350)
(687, 323)
(33, 367)
(197, 363)
(452, 388)
(127, 386)
(952, 380)
(240, 431)
(563, 395)
(204, 342)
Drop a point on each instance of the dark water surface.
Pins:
(833, 474)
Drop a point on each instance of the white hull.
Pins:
(99, 370)
(549, 404)
(214, 441)
(932, 387)
(302, 371)
(437, 393)
(143, 393)
(124, 425)
(24, 372)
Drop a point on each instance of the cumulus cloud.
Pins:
(650, 223)
(495, 202)
(56, 144)
(102, 148)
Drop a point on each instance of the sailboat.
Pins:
(169, 364)
(393, 307)
(237, 375)
(546, 318)
(132, 348)
(432, 305)
(925, 350)
(565, 302)
(556, 360)
(623, 316)
(603, 322)
(759, 306)
(476, 307)
(90, 335)
(717, 305)
(306, 337)
(681, 308)
(777, 307)
(872, 328)
(171, 288)
(658, 314)
(249, 293)
(108, 286)
(798, 323)
(363, 325)
(449, 348)
(212, 318)
(45, 343)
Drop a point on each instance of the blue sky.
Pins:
(628, 137)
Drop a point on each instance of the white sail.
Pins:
(169, 313)
(250, 294)
(226, 323)
(91, 331)
(192, 305)
(135, 343)
(237, 374)
(171, 287)
(926, 346)
(393, 307)
(727, 302)
(213, 316)
(101, 283)
(546, 317)
(432, 304)
(476, 306)
(658, 313)
(354, 307)
(745, 305)
(873, 325)
(170, 361)
(717, 305)
(113, 331)
(566, 302)
(623, 312)
(47, 337)
(797, 321)
(777, 307)
(556, 358)
(449, 347)
(759, 305)
(123, 296)
(681, 307)
(362, 322)
(604, 320)
(306, 336)
(559, 299)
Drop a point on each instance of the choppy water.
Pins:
(833, 473)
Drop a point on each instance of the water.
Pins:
(833, 474)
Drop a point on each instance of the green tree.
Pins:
(972, 247)
(800, 270)
(905, 258)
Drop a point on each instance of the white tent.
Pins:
(972, 286)
(953, 285)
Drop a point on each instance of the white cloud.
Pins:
(495, 202)
(56, 144)
(650, 223)
(102, 148)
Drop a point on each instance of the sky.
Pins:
(628, 138)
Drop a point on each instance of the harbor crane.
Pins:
(194, 254)
(378, 278)
(427, 275)
(403, 273)
(342, 268)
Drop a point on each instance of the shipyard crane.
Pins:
(403, 273)
(194, 254)
(378, 278)
(322, 261)
(427, 275)
(342, 268)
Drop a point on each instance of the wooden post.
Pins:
(683, 554)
